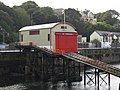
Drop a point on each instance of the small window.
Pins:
(63, 27)
(35, 32)
(48, 37)
(21, 37)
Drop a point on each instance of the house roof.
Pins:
(116, 33)
(105, 33)
(42, 26)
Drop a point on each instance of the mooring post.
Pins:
(68, 62)
(27, 66)
(84, 74)
(95, 76)
(79, 69)
(63, 66)
(45, 66)
(98, 78)
(53, 67)
(42, 66)
(109, 79)
(74, 72)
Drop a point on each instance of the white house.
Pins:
(88, 17)
(105, 37)
(55, 36)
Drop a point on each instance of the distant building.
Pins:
(82, 42)
(105, 37)
(4, 46)
(79, 38)
(82, 39)
(88, 16)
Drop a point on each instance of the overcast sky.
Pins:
(94, 6)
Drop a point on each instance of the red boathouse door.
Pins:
(66, 42)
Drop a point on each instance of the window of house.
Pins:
(63, 27)
(35, 32)
(48, 37)
(105, 39)
(21, 36)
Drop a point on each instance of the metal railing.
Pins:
(94, 63)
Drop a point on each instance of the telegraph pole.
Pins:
(64, 17)
(63, 12)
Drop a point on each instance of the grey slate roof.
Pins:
(106, 33)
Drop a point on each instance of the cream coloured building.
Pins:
(51, 36)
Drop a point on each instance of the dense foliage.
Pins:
(29, 13)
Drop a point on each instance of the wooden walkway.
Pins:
(88, 61)
(94, 63)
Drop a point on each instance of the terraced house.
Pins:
(105, 37)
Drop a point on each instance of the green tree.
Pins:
(28, 5)
(11, 14)
(73, 16)
(88, 28)
(109, 17)
(96, 42)
(102, 26)
(8, 21)
(44, 15)
(23, 17)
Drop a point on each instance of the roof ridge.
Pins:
(41, 26)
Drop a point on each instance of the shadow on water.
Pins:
(29, 83)
(10, 80)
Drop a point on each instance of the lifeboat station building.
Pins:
(58, 37)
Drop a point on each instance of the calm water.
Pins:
(18, 83)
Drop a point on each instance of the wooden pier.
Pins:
(50, 66)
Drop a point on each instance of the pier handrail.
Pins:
(94, 63)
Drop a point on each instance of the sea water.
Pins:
(18, 83)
